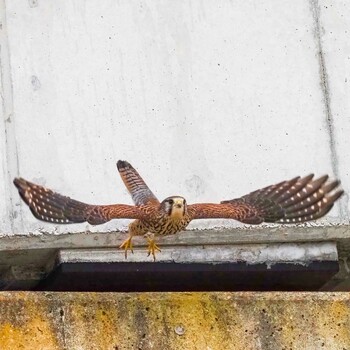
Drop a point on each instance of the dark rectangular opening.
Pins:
(156, 276)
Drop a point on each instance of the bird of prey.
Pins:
(294, 201)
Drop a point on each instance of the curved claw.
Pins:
(127, 245)
(152, 248)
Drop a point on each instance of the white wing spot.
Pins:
(325, 200)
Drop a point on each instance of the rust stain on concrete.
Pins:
(26, 323)
(210, 321)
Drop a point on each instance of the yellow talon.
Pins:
(152, 248)
(127, 245)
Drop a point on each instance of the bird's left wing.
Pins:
(50, 206)
(296, 200)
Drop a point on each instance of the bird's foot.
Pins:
(152, 246)
(127, 245)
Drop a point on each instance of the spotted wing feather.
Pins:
(140, 192)
(296, 200)
(50, 206)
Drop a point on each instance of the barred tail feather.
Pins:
(140, 192)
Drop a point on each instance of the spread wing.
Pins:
(296, 200)
(49, 206)
(140, 192)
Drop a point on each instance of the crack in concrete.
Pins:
(62, 319)
(315, 8)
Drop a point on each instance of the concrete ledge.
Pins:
(26, 259)
(247, 235)
(210, 321)
(269, 254)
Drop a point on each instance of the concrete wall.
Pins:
(208, 99)
(210, 321)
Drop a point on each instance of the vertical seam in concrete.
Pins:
(10, 168)
(315, 7)
(62, 316)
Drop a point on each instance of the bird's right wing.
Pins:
(140, 192)
(50, 206)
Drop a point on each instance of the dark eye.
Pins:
(184, 201)
(171, 201)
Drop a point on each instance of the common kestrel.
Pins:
(294, 201)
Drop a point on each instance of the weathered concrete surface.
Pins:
(208, 99)
(335, 48)
(269, 254)
(251, 235)
(216, 321)
(7, 147)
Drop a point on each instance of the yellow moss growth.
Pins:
(173, 321)
(34, 334)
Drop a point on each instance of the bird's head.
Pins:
(174, 206)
